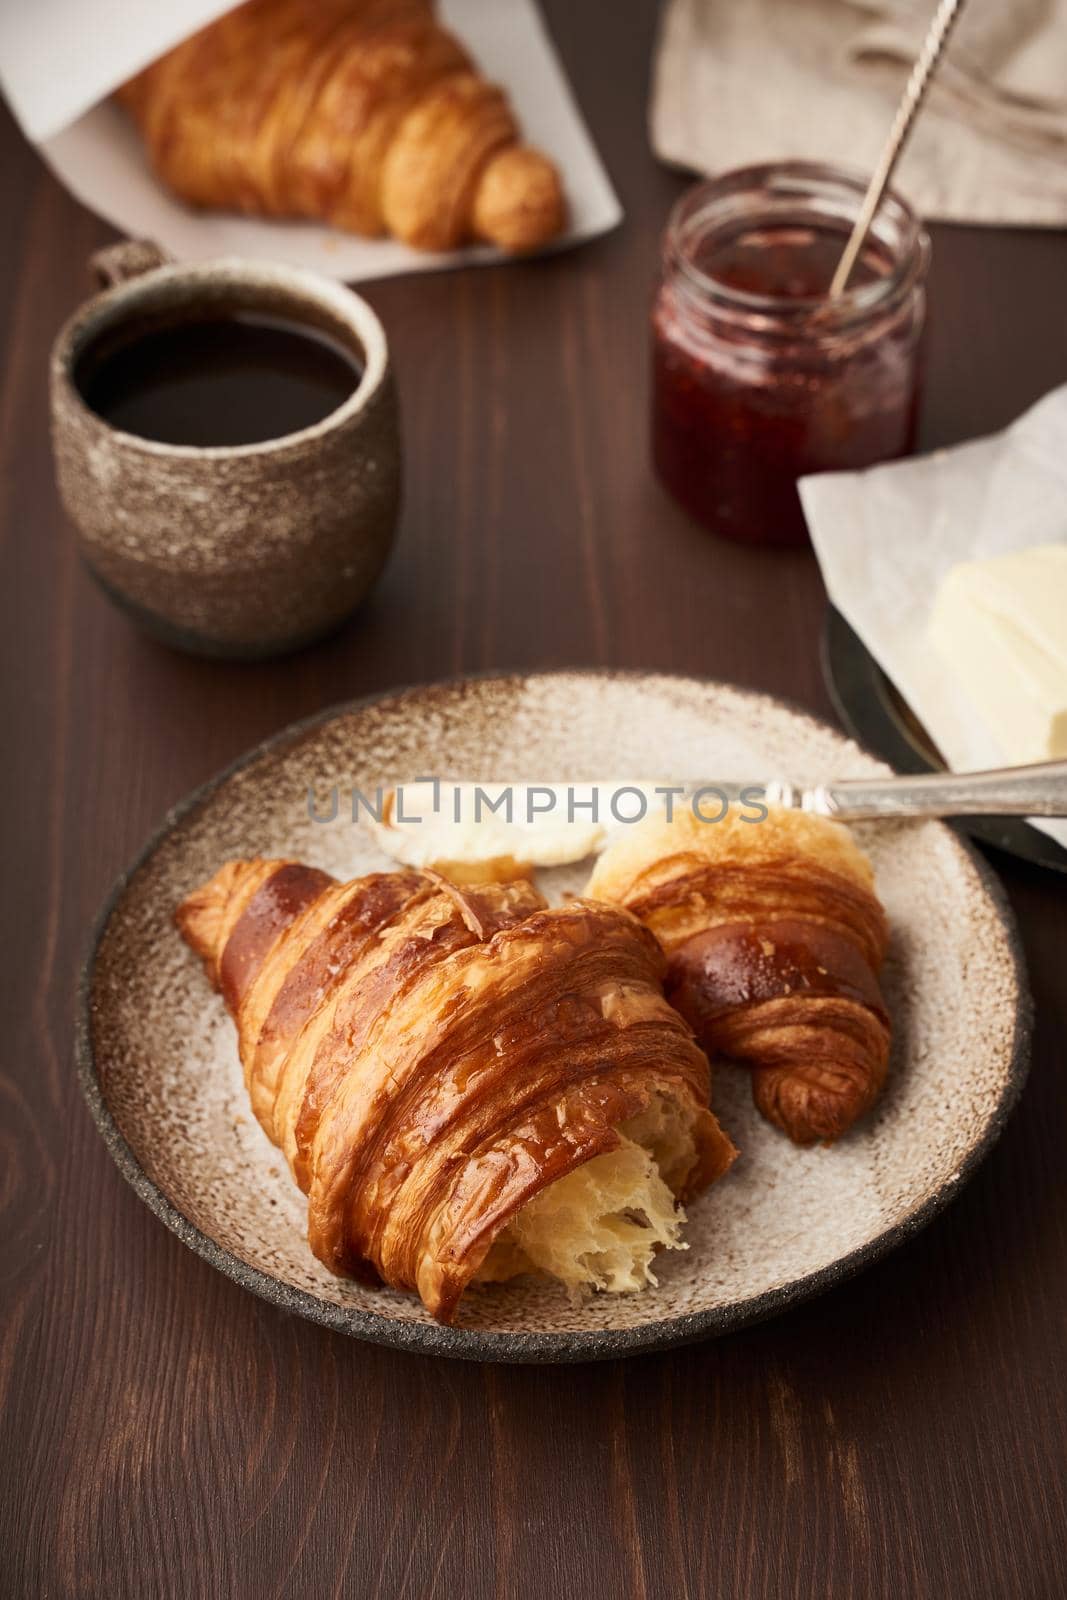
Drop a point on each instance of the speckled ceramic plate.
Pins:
(159, 1061)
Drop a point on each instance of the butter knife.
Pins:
(1036, 791)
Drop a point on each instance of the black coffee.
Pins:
(219, 380)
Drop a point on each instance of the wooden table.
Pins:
(166, 1434)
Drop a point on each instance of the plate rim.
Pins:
(513, 1346)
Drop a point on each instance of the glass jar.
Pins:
(758, 377)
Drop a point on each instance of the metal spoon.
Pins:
(912, 99)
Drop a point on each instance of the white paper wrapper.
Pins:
(59, 57)
(100, 159)
(886, 537)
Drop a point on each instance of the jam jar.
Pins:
(758, 376)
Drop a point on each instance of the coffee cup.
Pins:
(226, 549)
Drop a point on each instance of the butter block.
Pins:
(1000, 626)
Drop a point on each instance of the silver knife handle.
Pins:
(1038, 791)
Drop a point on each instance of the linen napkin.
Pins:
(742, 81)
(886, 537)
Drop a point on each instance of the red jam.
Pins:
(758, 378)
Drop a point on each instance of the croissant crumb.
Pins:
(600, 1226)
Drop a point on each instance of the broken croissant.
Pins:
(774, 938)
(364, 114)
(466, 1083)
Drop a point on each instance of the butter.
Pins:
(448, 827)
(1000, 626)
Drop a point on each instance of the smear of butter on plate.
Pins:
(473, 832)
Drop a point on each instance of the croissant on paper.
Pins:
(466, 1083)
(364, 114)
(774, 937)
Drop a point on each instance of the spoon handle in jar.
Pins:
(914, 94)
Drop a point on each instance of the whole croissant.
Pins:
(364, 114)
(774, 937)
(431, 1060)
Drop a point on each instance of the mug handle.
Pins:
(130, 258)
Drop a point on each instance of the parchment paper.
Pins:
(886, 537)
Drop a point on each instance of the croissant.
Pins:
(365, 114)
(774, 937)
(465, 1083)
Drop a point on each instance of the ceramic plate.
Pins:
(159, 1062)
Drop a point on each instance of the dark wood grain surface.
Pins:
(164, 1433)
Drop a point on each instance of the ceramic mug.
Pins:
(245, 550)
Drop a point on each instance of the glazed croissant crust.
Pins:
(431, 1060)
(774, 937)
(364, 114)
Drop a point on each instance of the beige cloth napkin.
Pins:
(741, 81)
